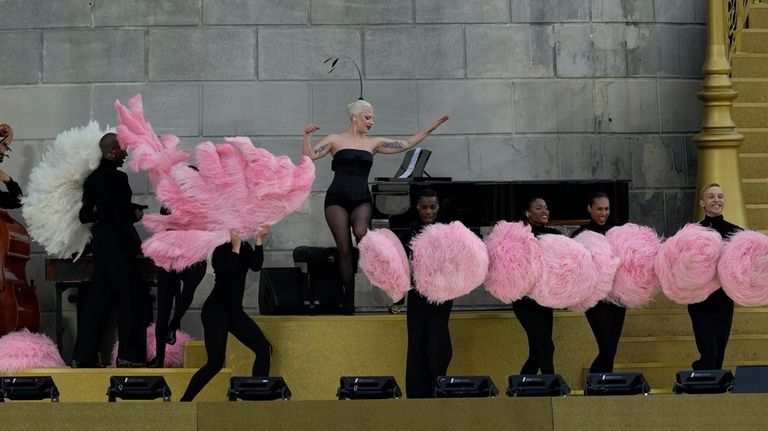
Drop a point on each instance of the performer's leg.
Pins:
(439, 348)
(723, 313)
(360, 219)
(536, 320)
(191, 278)
(418, 383)
(338, 220)
(249, 333)
(703, 324)
(167, 286)
(215, 328)
(90, 326)
(602, 320)
(131, 326)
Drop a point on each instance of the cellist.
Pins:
(12, 198)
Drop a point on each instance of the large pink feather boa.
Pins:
(606, 264)
(238, 188)
(743, 269)
(448, 261)
(568, 275)
(636, 282)
(384, 262)
(687, 264)
(514, 261)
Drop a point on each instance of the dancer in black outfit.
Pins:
(223, 312)
(348, 201)
(536, 319)
(429, 338)
(711, 319)
(107, 202)
(606, 319)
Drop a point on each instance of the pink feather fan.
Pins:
(23, 349)
(384, 262)
(568, 275)
(743, 269)
(174, 353)
(449, 261)
(606, 264)
(514, 261)
(636, 282)
(237, 187)
(687, 264)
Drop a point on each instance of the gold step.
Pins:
(754, 40)
(755, 189)
(755, 140)
(758, 15)
(754, 165)
(679, 348)
(749, 65)
(645, 323)
(751, 89)
(758, 217)
(662, 374)
(750, 115)
(90, 384)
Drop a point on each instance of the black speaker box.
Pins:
(751, 379)
(616, 384)
(368, 388)
(534, 385)
(258, 389)
(282, 291)
(465, 387)
(703, 382)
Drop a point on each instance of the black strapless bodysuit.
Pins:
(349, 188)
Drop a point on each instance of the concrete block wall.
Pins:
(536, 89)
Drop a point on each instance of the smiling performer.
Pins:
(348, 201)
(712, 318)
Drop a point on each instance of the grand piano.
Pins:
(480, 204)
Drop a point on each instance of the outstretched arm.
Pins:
(320, 149)
(391, 146)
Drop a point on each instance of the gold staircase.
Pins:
(750, 113)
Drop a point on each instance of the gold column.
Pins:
(719, 141)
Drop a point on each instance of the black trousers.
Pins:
(429, 345)
(537, 323)
(711, 320)
(168, 289)
(607, 321)
(216, 324)
(115, 280)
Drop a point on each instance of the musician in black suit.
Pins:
(712, 318)
(114, 242)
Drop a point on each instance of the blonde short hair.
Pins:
(357, 107)
(707, 187)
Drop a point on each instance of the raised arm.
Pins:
(393, 146)
(320, 149)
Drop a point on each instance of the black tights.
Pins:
(339, 220)
(606, 321)
(168, 289)
(216, 324)
(711, 320)
(536, 320)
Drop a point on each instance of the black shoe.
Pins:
(154, 363)
(394, 309)
(122, 363)
(171, 339)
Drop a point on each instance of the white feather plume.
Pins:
(55, 191)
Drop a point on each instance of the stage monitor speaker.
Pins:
(258, 389)
(751, 379)
(703, 382)
(534, 385)
(616, 384)
(281, 291)
(465, 387)
(138, 388)
(368, 388)
(28, 388)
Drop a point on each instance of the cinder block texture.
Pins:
(678, 209)
(172, 108)
(513, 158)
(675, 11)
(101, 55)
(549, 10)
(424, 51)
(615, 157)
(576, 156)
(299, 53)
(624, 106)
(255, 11)
(274, 108)
(462, 11)
(622, 10)
(44, 14)
(659, 162)
(362, 12)
(21, 51)
(592, 50)
(201, 54)
(652, 50)
(693, 50)
(146, 12)
(44, 112)
(646, 207)
(510, 51)
(554, 106)
(474, 107)
(681, 109)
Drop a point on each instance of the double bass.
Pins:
(19, 307)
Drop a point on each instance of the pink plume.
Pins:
(174, 250)
(568, 273)
(448, 261)
(23, 349)
(174, 353)
(606, 264)
(687, 264)
(743, 269)
(636, 282)
(383, 260)
(514, 261)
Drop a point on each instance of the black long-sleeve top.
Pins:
(107, 197)
(231, 270)
(594, 227)
(539, 230)
(12, 198)
(724, 228)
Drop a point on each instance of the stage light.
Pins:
(703, 382)
(465, 387)
(28, 388)
(138, 388)
(258, 389)
(616, 384)
(534, 385)
(368, 388)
